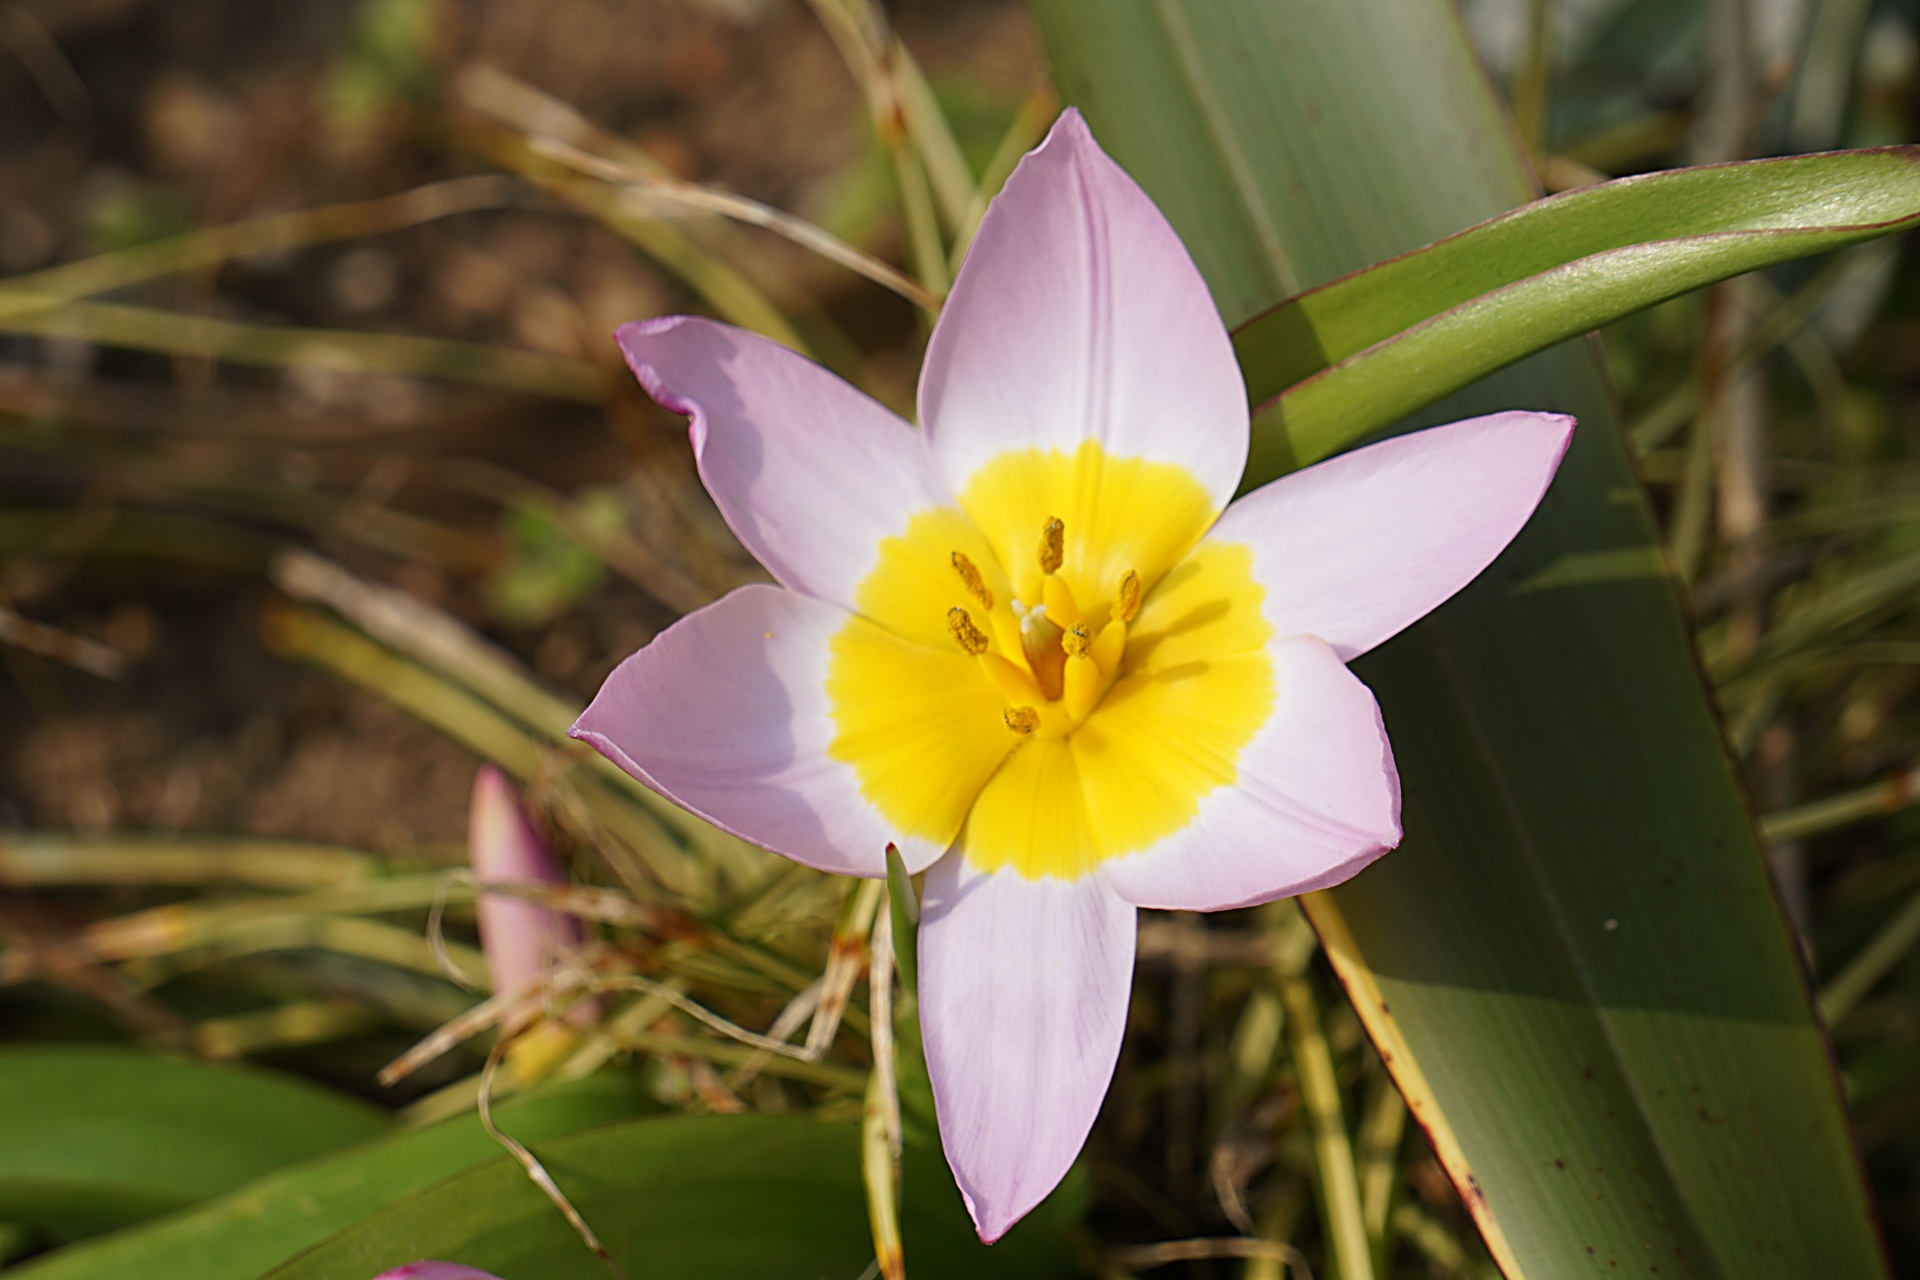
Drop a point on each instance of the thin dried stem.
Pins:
(656, 194)
(51, 642)
(1145, 1257)
(537, 1172)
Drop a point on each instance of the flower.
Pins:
(1032, 644)
(430, 1270)
(521, 940)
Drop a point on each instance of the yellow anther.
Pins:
(1126, 604)
(965, 634)
(1062, 609)
(1022, 720)
(1078, 642)
(1053, 545)
(970, 578)
(1110, 645)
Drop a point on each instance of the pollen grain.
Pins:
(977, 588)
(1053, 545)
(965, 634)
(1022, 720)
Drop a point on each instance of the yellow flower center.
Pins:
(1058, 663)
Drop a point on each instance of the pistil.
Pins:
(1051, 662)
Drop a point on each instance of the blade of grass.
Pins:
(117, 324)
(213, 246)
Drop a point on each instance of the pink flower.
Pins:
(428, 1270)
(520, 938)
(1033, 644)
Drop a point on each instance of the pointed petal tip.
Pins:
(991, 1221)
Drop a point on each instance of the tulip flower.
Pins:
(1035, 643)
(520, 939)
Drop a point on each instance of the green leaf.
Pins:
(693, 1197)
(95, 1138)
(1574, 964)
(1343, 360)
(263, 1224)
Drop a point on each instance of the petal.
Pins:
(1078, 316)
(1316, 799)
(810, 473)
(728, 714)
(519, 937)
(429, 1270)
(1356, 548)
(1023, 998)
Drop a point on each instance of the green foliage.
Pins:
(264, 1223)
(100, 1137)
(1575, 964)
(1341, 361)
(699, 1197)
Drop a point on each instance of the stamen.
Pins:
(1110, 645)
(965, 634)
(1022, 720)
(1062, 609)
(1126, 605)
(970, 578)
(1053, 545)
(1082, 680)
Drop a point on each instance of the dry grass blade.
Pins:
(57, 858)
(537, 1172)
(184, 926)
(448, 647)
(790, 1020)
(662, 195)
(524, 111)
(1145, 1257)
(846, 956)
(1889, 795)
(117, 324)
(214, 245)
(880, 1113)
(707, 1017)
(51, 642)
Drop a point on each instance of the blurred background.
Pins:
(321, 482)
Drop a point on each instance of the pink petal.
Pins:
(726, 714)
(1078, 315)
(429, 1270)
(1317, 799)
(810, 473)
(1023, 998)
(520, 938)
(1356, 548)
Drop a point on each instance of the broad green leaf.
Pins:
(1341, 361)
(264, 1223)
(94, 1138)
(1574, 965)
(689, 1198)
